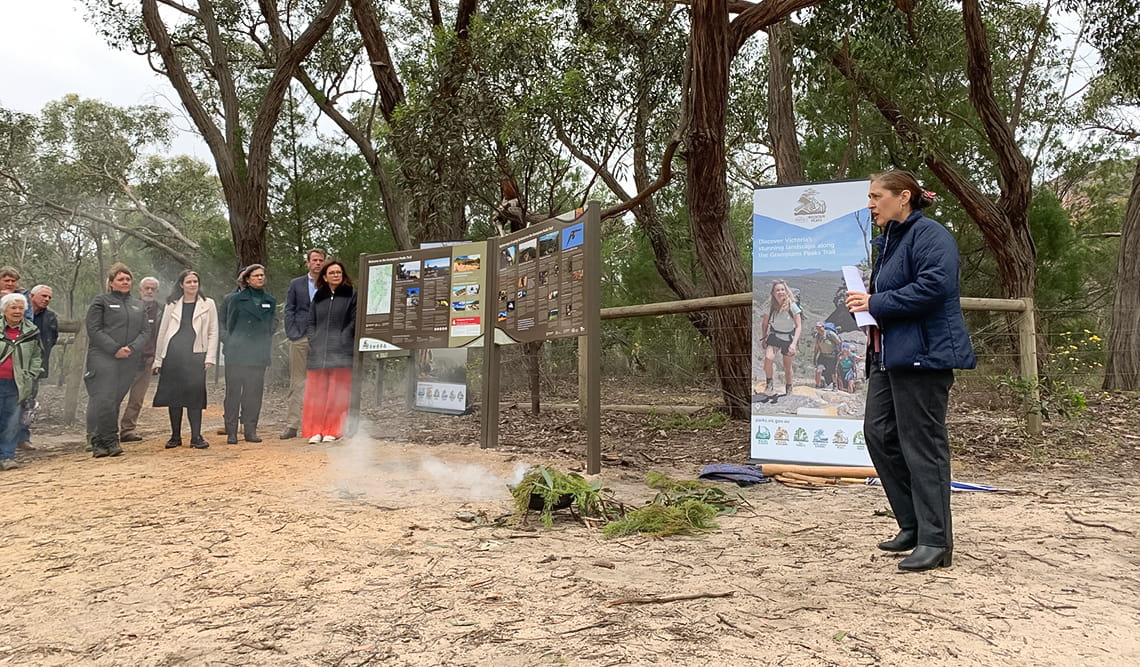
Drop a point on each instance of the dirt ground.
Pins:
(350, 554)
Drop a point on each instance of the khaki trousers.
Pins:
(130, 418)
(298, 368)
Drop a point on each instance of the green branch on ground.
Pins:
(545, 490)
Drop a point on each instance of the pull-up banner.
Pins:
(808, 385)
(427, 298)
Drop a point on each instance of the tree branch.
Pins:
(752, 19)
(181, 258)
(388, 195)
(261, 135)
(148, 214)
(1027, 64)
(182, 8)
(388, 84)
(1012, 164)
(223, 158)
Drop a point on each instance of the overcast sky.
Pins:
(48, 51)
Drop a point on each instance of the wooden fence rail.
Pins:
(1026, 331)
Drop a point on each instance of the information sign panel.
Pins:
(428, 298)
(542, 272)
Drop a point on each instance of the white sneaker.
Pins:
(329, 438)
(315, 439)
(9, 464)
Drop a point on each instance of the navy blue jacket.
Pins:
(297, 304)
(48, 324)
(915, 297)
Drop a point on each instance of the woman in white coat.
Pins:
(187, 347)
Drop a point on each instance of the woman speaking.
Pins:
(920, 339)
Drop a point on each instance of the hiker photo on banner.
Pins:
(808, 379)
(797, 353)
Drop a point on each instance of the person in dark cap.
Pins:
(250, 321)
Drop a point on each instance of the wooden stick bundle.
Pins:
(773, 469)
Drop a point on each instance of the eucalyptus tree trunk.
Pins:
(781, 107)
(241, 150)
(1122, 367)
(707, 195)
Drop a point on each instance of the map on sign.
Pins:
(379, 289)
(428, 298)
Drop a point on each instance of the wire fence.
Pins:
(666, 355)
(665, 360)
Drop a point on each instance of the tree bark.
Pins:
(388, 85)
(1004, 223)
(242, 170)
(781, 106)
(752, 18)
(707, 195)
(1122, 366)
(390, 199)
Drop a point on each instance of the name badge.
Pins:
(265, 305)
(114, 305)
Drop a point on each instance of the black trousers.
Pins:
(905, 427)
(107, 380)
(245, 386)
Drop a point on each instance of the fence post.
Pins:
(75, 367)
(1027, 341)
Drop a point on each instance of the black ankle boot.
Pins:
(251, 434)
(174, 441)
(231, 434)
(904, 541)
(198, 442)
(927, 558)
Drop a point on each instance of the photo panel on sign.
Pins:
(572, 236)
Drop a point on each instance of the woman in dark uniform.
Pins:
(250, 319)
(187, 347)
(117, 330)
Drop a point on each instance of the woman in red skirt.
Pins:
(332, 339)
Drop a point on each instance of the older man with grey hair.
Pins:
(47, 322)
(148, 290)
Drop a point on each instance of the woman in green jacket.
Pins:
(19, 368)
(249, 324)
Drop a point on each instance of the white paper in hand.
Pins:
(854, 279)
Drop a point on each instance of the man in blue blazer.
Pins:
(297, 301)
